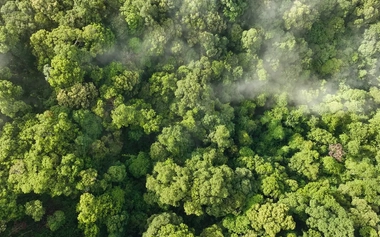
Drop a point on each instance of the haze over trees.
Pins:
(189, 118)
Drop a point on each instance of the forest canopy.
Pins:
(204, 118)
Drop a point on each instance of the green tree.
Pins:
(138, 113)
(116, 173)
(169, 182)
(176, 140)
(212, 45)
(362, 214)
(234, 8)
(306, 161)
(64, 72)
(82, 13)
(329, 220)
(16, 25)
(251, 40)
(46, 142)
(270, 218)
(139, 165)
(118, 81)
(200, 186)
(221, 137)
(55, 221)
(106, 209)
(78, 96)
(35, 209)
(300, 16)
(162, 87)
(167, 224)
(70, 46)
(212, 231)
(10, 99)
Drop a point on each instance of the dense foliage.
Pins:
(204, 118)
